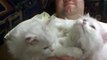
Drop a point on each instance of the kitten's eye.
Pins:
(84, 20)
(28, 38)
(46, 47)
(31, 41)
(93, 26)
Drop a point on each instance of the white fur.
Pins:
(63, 47)
(84, 36)
(68, 51)
(92, 41)
(90, 38)
(101, 54)
(38, 37)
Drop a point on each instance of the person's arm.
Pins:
(4, 54)
(61, 58)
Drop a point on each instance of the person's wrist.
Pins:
(61, 58)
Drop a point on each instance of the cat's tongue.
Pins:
(61, 58)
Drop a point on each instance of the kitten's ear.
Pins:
(8, 36)
(88, 15)
(12, 34)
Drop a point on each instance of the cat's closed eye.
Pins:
(92, 26)
(46, 47)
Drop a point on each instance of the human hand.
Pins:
(61, 58)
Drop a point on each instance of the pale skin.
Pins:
(71, 9)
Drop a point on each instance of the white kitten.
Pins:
(84, 34)
(90, 37)
(30, 40)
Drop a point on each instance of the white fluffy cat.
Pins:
(30, 40)
(84, 34)
(90, 37)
